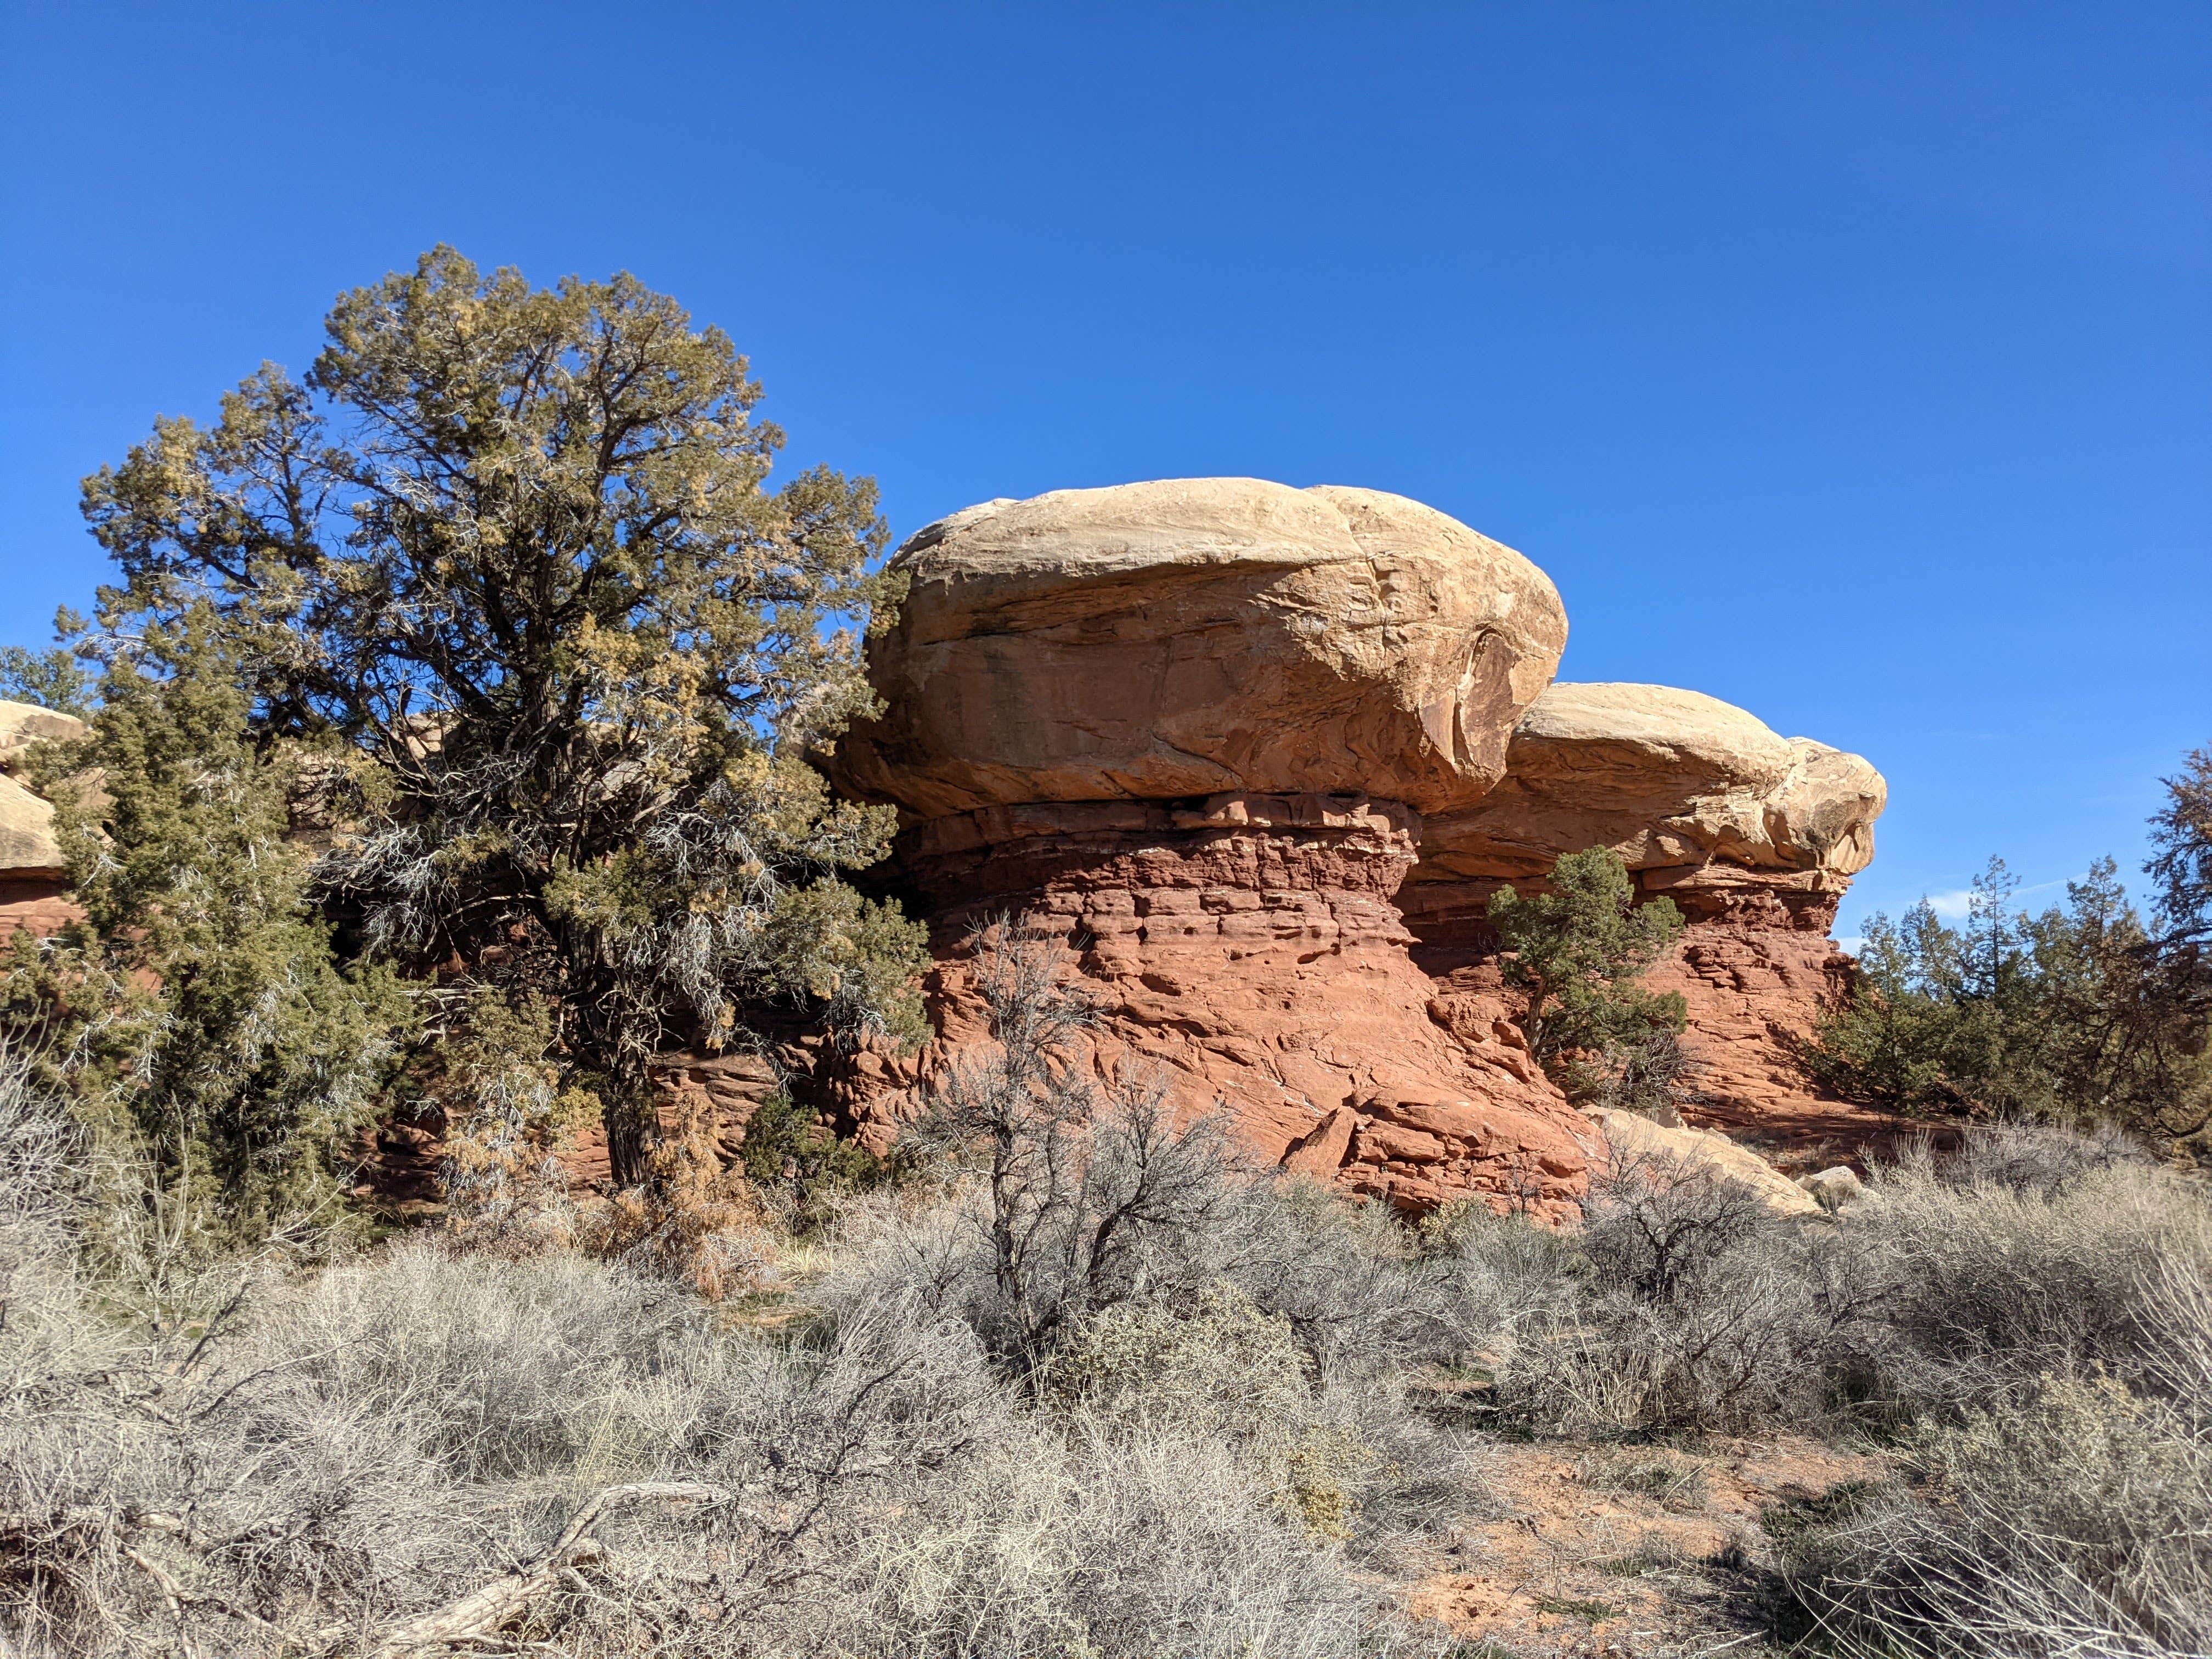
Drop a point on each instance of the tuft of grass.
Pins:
(1594, 1612)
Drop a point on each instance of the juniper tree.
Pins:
(2080, 1013)
(195, 1008)
(52, 679)
(1576, 952)
(514, 549)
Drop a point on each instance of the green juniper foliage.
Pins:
(196, 1009)
(1576, 952)
(52, 679)
(2079, 1014)
(512, 550)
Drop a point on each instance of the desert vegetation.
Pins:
(2087, 1011)
(1087, 1386)
(1574, 952)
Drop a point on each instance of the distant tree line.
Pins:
(2089, 1011)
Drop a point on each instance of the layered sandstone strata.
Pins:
(1243, 953)
(1188, 729)
(1754, 836)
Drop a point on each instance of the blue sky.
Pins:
(1851, 363)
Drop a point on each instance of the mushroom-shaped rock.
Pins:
(1665, 778)
(1755, 838)
(32, 873)
(1201, 636)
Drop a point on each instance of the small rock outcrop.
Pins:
(33, 887)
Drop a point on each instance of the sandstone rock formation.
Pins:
(1669, 780)
(32, 887)
(1753, 835)
(1158, 641)
(22, 724)
(1244, 951)
(1659, 1154)
(1260, 755)
(1190, 726)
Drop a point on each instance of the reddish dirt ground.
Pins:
(1612, 1549)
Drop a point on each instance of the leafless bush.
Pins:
(1214, 1368)
(1354, 1287)
(2075, 1521)
(1496, 1277)
(1093, 1193)
(1693, 1307)
(2040, 1158)
(1648, 1072)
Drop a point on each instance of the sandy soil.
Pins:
(1623, 1551)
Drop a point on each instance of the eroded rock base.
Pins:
(1754, 966)
(1246, 952)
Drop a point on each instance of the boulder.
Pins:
(1196, 637)
(1666, 778)
(22, 724)
(1662, 1153)
(1254, 753)
(33, 894)
(1833, 1188)
(28, 851)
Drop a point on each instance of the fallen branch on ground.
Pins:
(483, 1611)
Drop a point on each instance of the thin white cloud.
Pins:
(1955, 905)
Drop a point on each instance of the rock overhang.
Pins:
(1669, 779)
(1189, 638)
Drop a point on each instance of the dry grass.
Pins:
(1284, 1404)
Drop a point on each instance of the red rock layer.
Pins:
(1754, 966)
(38, 902)
(1245, 952)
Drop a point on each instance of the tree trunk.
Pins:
(633, 1128)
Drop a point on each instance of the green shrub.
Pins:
(1575, 950)
(198, 1009)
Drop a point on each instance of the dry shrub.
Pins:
(1116, 1544)
(2075, 1520)
(1691, 1306)
(1214, 1368)
(1676, 1480)
(1970, 1282)
(2039, 1312)
(2040, 1158)
(357, 1456)
(693, 1219)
